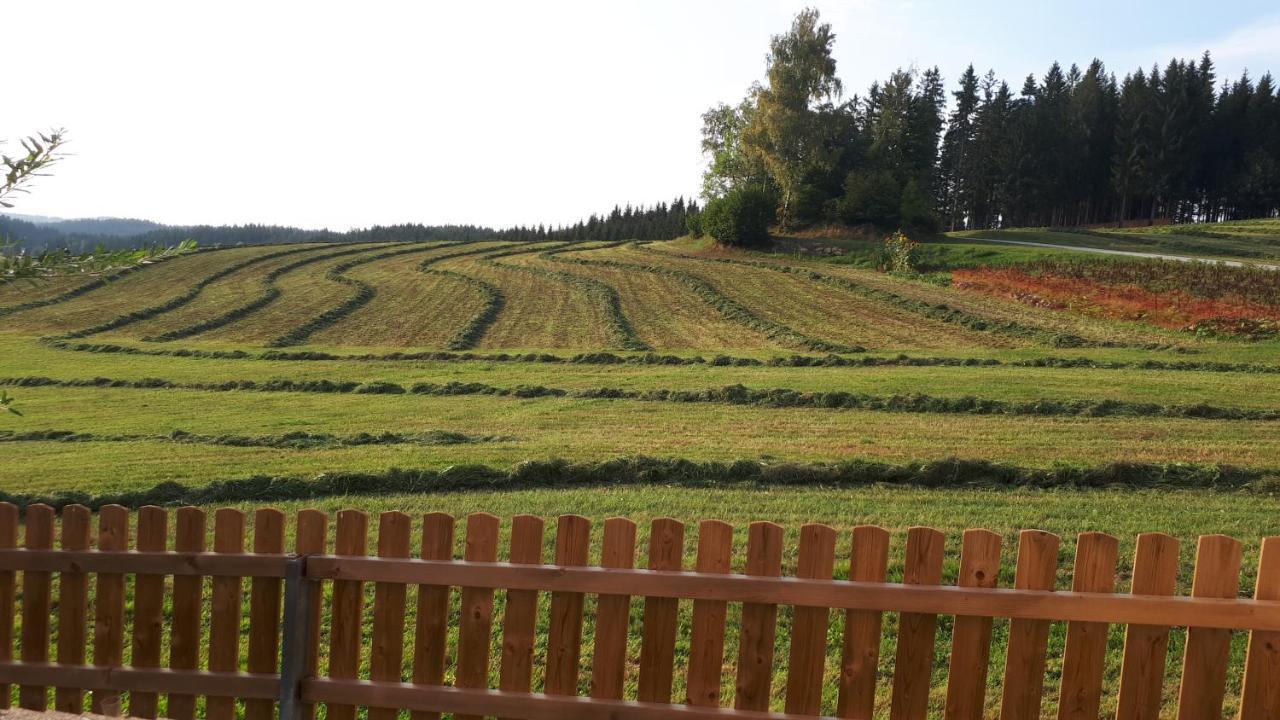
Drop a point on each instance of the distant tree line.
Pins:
(1070, 148)
(659, 222)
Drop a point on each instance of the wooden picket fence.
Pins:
(282, 664)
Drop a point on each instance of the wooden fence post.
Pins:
(347, 609)
(759, 621)
(1260, 696)
(148, 607)
(706, 639)
(8, 541)
(1029, 639)
(520, 622)
(807, 662)
(1204, 666)
(188, 603)
(73, 607)
(476, 621)
(971, 636)
(35, 606)
(613, 613)
(1086, 652)
(386, 652)
(312, 538)
(108, 606)
(225, 611)
(432, 633)
(913, 666)
(264, 609)
(658, 643)
(564, 636)
(1155, 572)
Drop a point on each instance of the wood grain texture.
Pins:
(347, 608)
(476, 618)
(613, 613)
(1260, 696)
(108, 606)
(913, 666)
(226, 607)
(311, 537)
(35, 605)
(706, 639)
(658, 642)
(971, 636)
(8, 591)
(73, 606)
(264, 609)
(1029, 639)
(1204, 663)
(520, 619)
(431, 636)
(386, 651)
(1155, 572)
(564, 637)
(188, 609)
(860, 653)
(759, 621)
(807, 661)
(1085, 659)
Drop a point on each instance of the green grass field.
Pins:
(518, 353)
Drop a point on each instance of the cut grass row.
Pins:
(293, 440)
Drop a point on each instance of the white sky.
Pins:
(336, 115)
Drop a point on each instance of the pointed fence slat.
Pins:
(1204, 667)
(1260, 696)
(73, 607)
(1029, 639)
(658, 642)
(564, 637)
(706, 640)
(807, 661)
(35, 606)
(188, 606)
(386, 652)
(1085, 659)
(971, 636)
(613, 613)
(913, 667)
(8, 541)
(347, 608)
(108, 607)
(520, 619)
(860, 656)
(431, 636)
(759, 621)
(148, 608)
(1155, 572)
(226, 610)
(476, 619)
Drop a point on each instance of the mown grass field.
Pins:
(599, 351)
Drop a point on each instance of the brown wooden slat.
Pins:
(148, 607)
(564, 638)
(476, 619)
(35, 606)
(8, 539)
(188, 609)
(613, 613)
(860, 654)
(108, 606)
(226, 604)
(520, 620)
(1155, 572)
(432, 632)
(706, 639)
(1029, 639)
(149, 680)
(914, 663)
(264, 609)
(1260, 696)
(312, 538)
(759, 621)
(347, 609)
(1204, 666)
(807, 661)
(73, 607)
(658, 642)
(1085, 658)
(386, 653)
(971, 636)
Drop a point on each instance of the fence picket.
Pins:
(73, 607)
(108, 606)
(808, 657)
(1204, 667)
(706, 642)
(8, 541)
(1029, 639)
(312, 538)
(759, 621)
(35, 606)
(613, 613)
(476, 621)
(1155, 572)
(1260, 696)
(564, 638)
(658, 642)
(264, 609)
(386, 651)
(188, 602)
(860, 656)
(520, 619)
(971, 636)
(913, 665)
(347, 608)
(226, 603)
(432, 632)
(1086, 651)
(148, 607)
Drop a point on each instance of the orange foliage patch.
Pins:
(1176, 310)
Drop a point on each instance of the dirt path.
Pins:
(1133, 253)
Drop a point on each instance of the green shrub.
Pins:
(740, 218)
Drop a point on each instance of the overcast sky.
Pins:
(337, 115)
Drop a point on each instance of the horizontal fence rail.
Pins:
(409, 619)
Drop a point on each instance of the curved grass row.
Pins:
(476, 326)
(95, 284)
(620, 329)
(269, 295)
(726, 306)
(286, 441)
(182, 299)
(730, 395)
(364, 293)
